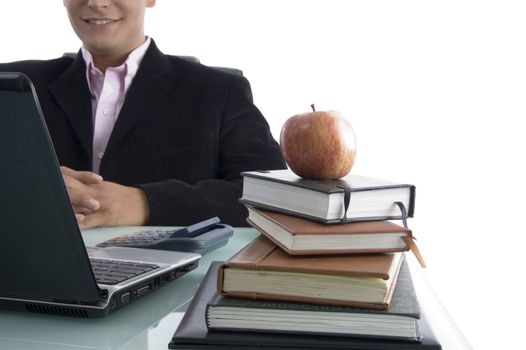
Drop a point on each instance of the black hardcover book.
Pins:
(398, 322)
(351, 198)
(192, 332)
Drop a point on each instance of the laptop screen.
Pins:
(42, 255)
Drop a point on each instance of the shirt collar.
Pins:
(131, 65)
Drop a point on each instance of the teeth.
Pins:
(99, 22)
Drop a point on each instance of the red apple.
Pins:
(318, 145)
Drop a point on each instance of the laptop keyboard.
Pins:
(113, 272)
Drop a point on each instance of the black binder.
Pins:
(192, 332)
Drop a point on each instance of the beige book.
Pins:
(262, 270)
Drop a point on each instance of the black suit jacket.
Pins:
(184, 134)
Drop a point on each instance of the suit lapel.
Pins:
(72, 94)
(153, 81)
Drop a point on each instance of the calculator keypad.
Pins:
(143, 237)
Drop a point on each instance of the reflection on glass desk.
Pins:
(150, 322)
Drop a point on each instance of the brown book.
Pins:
(262, 270)
(299, 236)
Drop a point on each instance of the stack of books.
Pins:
(344, 216)
(327, 272)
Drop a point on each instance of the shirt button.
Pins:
(106, 111)
(100, 155)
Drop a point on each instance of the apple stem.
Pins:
(313, 108)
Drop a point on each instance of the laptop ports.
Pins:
(143, 290)
(125, 298)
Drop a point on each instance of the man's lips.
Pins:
(100, 21)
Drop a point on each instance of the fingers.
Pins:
(79, 217)
(86, 221)
(119, 206)
(81, 196)
(86, 209)
(89, 221)
(86, 177)
(82, 203)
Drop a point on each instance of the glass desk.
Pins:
(150, 322)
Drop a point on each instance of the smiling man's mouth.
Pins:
(99, 22)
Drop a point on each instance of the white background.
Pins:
(435, 91)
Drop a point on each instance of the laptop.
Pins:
(130, 328)
(44, 265)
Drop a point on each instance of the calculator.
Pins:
(201, 238)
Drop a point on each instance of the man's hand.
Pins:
(77, 184)
(119, 206)
(102, 203)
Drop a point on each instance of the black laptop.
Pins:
(44, 264)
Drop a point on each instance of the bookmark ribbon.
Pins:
(410, 240)
(346, 202)
(403, 211)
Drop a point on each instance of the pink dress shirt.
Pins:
(108, 92)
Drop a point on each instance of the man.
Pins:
(142, 137)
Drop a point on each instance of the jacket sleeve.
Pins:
(244, 143)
